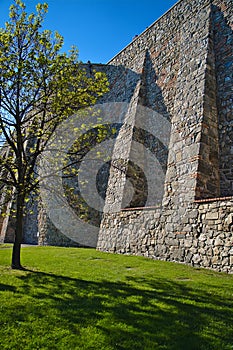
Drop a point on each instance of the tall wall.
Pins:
(168, 189)
(185, 65)
(222, 14)
(183, 48)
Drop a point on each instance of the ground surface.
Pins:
(82, 299)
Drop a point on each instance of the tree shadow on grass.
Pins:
(140, 314)
(6, 287)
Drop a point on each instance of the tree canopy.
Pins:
(40, 86)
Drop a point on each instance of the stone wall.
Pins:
(189, 81)
(222, 18)
(205, 238)
(180, 68)
(186, 76)
(176, 82)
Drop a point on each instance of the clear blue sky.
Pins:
(99, 28)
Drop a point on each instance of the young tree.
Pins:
(39, 88)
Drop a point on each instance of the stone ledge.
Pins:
(206, 200)
(143, 208)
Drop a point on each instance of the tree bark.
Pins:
(16, 264)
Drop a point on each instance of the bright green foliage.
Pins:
(39, 88)
(81, 299)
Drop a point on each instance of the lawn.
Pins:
(83, 299)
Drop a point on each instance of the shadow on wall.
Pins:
(223, 44)
(122, 84)
(150, 96)
(145, 140)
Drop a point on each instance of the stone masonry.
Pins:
(186, 75)
(180, 68)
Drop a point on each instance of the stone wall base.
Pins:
(200, 235)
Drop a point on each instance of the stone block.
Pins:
(218, 242)
(231, 251)
(196, 259)
(212, 215)
(188, 243)
(206, 261)
(202, 251)
(216, 251)
(193, 250)
(215, 260)
(202, 237)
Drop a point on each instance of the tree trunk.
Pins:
(16, 264)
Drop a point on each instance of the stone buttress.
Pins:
(190, 52)
(168, 189)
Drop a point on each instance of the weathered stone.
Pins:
(202, 251)
(180, 70)
(218, 242)
(231, 251)
(196, 258)
(188, 243)
(212, 216)
(216, 251)
(215, 260)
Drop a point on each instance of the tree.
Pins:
(39, 88)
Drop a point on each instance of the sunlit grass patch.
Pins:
(83, 299)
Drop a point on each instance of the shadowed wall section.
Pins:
(167, 190)
(186, 76)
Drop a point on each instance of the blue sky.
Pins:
(99, 28)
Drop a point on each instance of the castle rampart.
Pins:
(176, 81)
(184, 62)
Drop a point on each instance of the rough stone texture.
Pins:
(190, 52)
(204, 238)
(222, 13)
(50, 235)
(181, 68)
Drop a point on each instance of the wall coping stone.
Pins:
(143, 208)
(206, 200)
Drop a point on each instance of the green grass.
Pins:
(82, 299)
